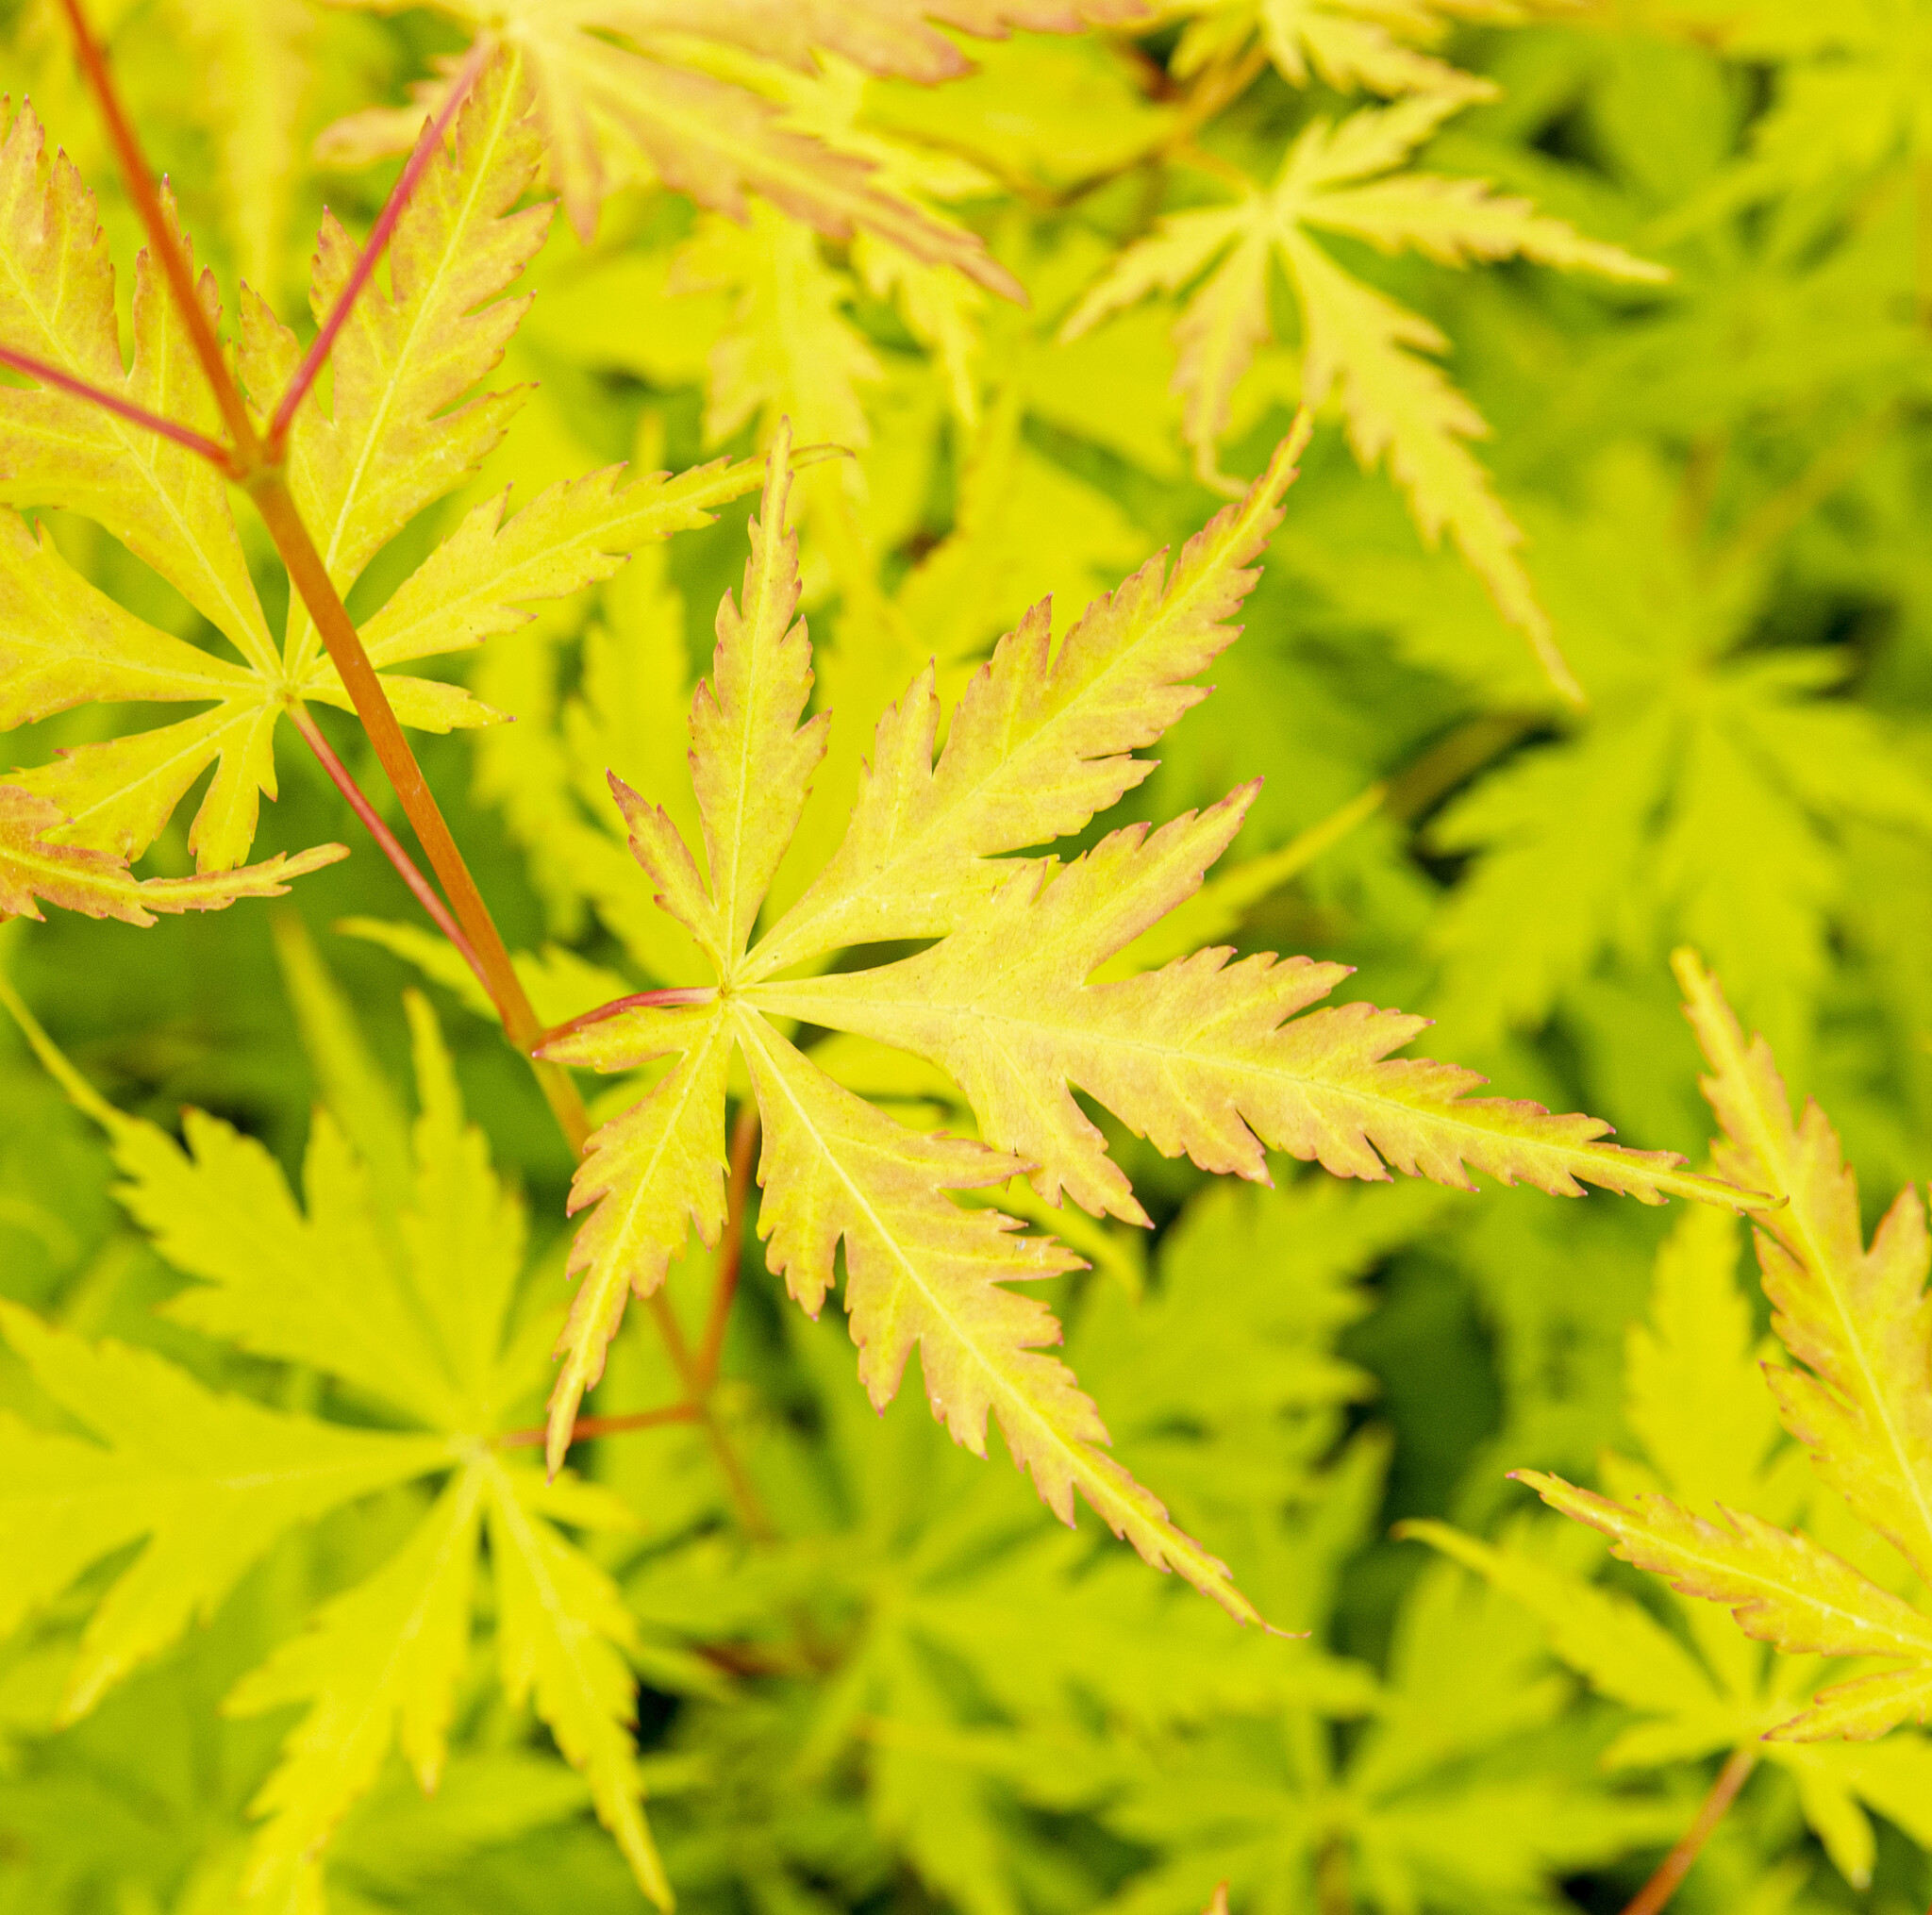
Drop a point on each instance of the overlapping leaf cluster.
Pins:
(952, 967)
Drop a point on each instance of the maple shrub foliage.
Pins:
(847, 935)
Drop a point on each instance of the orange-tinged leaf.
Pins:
(650, 1174)
(1035, 749)
(612, 114)
(1781, 1586)
(1204, 1056)
(924, 1273)
(1856, 1318)
(99, 885)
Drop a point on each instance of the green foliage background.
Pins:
(924, 1694)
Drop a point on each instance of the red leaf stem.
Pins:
(391, 847)
(1658, 1892)
(587, 1427)
(216, 456)
(426, 146)
(147, 196)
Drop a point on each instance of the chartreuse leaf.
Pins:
(209, 1481)
(612, 114)
(1854, 1319)
(1438, 1802)
(1202, 1055)
(399, 431)
(99, 885)
(561, 1628)
(1357, 343)
(404, 1297)
(1353, 46)
(378, 1665)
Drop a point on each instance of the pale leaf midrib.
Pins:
(123, 431)
(826, 1006)
(797, 933)
(1771, 1155)
(1075, 1455)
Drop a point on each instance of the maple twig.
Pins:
(215, 454)
(1655, 1893)
(587, 1427)
(147, 196)
(744, 1144)
(1786, 507)
(344, 781)
(426, 148)
(751, 1509)
(311, 579)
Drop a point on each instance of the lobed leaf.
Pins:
(378, 1665)
(205, 1483)
(1204, 1057)
(99, 885)
(611, 114)
(1357, 343)
(1856, 1317)
(560, 1625)
(396, 436)
(1781, 1586)
(1035, 749)
(923, 1273)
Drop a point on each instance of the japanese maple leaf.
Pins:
(402, 430)
(1206, 1056)
(621, 94)
(396, 1278)
(1357, 344)
(1372, 45)
(1857, 1395)
(99, 885)
(1695, 1398)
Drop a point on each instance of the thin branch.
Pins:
(1786, 509)
(310, 578)
(587, 1427)
(751, 1509)
(147, 196)
(1655, 1893)
(216, 454)
(426, 893)
(744, 1145)
(379, 234)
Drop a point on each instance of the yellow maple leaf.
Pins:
(1372, 45)
(99, 885)
(400, 432)
(1858, 1398)
(623, 92)
(1357, 344)
(1205, 1058)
